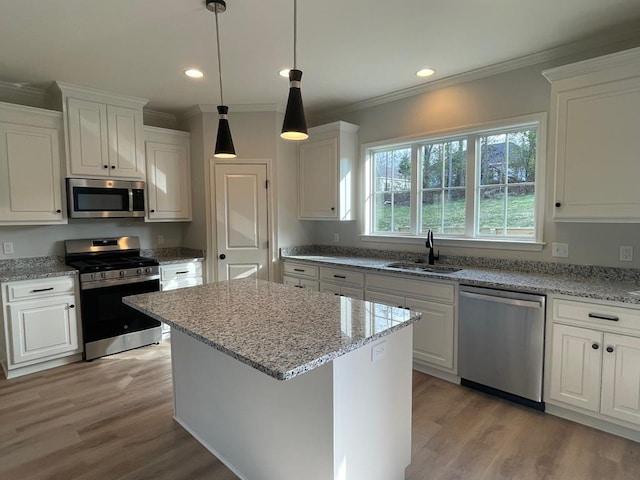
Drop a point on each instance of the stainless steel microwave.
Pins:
(92, 198)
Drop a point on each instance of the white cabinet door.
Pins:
(576, 357)
(30, 179)
(301, 283)
(329, 288)
(355, 293)
(42, 328)
(434, 334)
(168, 173)
(126, 140)
(87, 137)
(318, 187)
(621, 377)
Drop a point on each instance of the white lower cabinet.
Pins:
(434, 337)
(301, 283)
(596, 367)
(41, 327)
(179, 275)
(342, 282)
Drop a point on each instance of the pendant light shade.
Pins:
(224, 143)
(294, 126)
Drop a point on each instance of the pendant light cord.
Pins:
(218, 46)
(295, 33)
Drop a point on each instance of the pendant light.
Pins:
(224, 142)
(294, 126)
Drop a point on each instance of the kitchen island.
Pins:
(282, 383)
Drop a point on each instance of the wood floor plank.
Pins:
(112, 419)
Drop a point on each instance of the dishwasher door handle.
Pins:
(506, 301)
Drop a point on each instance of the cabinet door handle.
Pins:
(610, 349)
(602, 316)
(595, 346)
(340, 276)
(36, 290)
(298, 269)
(182, 273)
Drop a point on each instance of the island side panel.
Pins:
(372, 409)
(261, 428)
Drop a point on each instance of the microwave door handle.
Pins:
(131, 200)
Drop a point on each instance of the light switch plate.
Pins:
(560, 250)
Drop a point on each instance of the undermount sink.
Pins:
(421, 267)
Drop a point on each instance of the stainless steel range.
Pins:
(112, 268)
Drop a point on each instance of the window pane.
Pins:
(492, 159)
(522, 156)
(455, 163)
(392, 170)
(432, 161)
(401, 216)
(491, 211)
(382, 212)
(443, 211)
(521, 211)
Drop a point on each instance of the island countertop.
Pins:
(279, 330)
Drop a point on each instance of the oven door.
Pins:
(105, 316)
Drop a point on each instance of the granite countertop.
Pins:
(600, 284)
(279, 330)
(32, 268)
(172, 255)
(172, 259)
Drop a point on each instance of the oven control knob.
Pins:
(139, 271)
(103, 275)
(147, 270)
(126, 327)
(122, 273)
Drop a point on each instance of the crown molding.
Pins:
(552, 54)
(615, 60)
(24, 95)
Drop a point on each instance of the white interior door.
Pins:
(241, 216)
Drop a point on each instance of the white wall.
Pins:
(514, 93)
(45, 240)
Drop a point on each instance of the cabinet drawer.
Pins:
(342, 277)
(182, 270)
(419, 288)
(43, 287)
(594, 314)
(300, 270)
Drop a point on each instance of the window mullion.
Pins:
(472, 188)
(416, 191)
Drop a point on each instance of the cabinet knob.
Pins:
(558, 204)
(333, 208)
(58, 211)
(72, 306)
(222, 256)
(152, 210)
(105, 166)
(610, 349)
(595, 346)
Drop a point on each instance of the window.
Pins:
(474, 185)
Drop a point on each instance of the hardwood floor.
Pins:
(112, 420)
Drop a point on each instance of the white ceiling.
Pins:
(349, 50)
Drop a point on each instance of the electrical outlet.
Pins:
(560, 250)
(378, 351)
(7, 248)
(160, 239)
(336, 237)
(626, 253)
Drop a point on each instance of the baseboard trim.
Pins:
(593, 422)
(434, 372)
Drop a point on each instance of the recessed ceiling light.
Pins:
(425, 72)
(194, 73)
(284, 73)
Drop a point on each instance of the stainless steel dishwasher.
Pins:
(501, 343)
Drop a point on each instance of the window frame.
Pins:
(472, 134)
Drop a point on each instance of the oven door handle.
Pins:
(117, 281)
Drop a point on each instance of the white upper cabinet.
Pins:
(327, 176)
(168, 175)
(595, 113)
(104, 134)
(31, 185)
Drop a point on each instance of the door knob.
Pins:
(222, 256)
